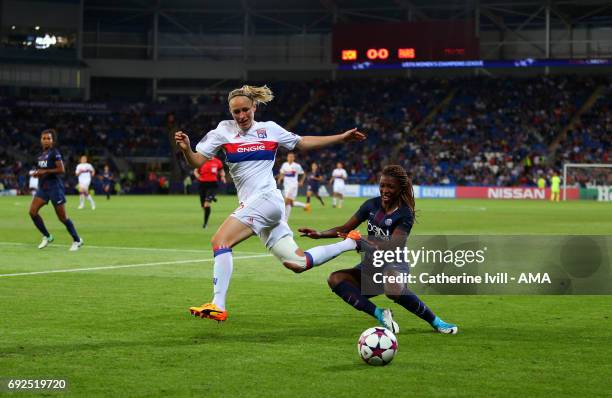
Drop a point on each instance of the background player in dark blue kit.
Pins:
(390, 218)
(51, 188)
(107, 181)
(314, 179)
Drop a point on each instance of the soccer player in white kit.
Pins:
(33, 183)
(250, 148)
(338, 179)
(289, 174)
(85, 171)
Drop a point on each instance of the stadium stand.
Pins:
(483, 131)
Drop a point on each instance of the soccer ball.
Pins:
(377, 346)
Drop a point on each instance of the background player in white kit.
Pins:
(85, 171)
(338, 179)
(250, 149)
(290, 172)
(33, 183)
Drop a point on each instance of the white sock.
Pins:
(299, 204)
(341, 201)
(334, 201)
(81, 200)
(287, 211)
(91, 201)
(322, 254)
(222, 273)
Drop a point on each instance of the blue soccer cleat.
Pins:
(443, 327)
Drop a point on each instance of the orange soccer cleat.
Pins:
(210, 311)
(308, 207)
(354, 235)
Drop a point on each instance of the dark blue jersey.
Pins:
(382, 225)
(47, 160)
(313, 178)
(107, 178)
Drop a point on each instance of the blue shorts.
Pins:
(314, 188)
(371, 283)
(55, 195)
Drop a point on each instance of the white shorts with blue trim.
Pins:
(264, 214)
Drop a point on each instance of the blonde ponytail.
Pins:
(259, 95)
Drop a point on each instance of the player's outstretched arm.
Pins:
(398, 239)
(334, 232)
(309, 142)
(194, 159)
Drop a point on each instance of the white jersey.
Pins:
(33, 182)
(249, 155)
(339, 175)
(291, 173)
(86, 171)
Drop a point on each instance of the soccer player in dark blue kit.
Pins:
(314, 182)
(49, 169)
(390, 218)
(107, 181)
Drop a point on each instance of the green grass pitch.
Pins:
(126, 332)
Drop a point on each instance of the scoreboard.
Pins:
(400, 42)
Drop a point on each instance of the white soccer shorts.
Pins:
(290, 191)
(84, 185)
(338, 187)
(264, 215)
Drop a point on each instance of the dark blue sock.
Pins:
(413, 303)
(71, 230)
(38, 221)
(352, 295)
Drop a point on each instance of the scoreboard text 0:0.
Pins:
(410, 41)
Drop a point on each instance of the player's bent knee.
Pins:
(334, 279)
(217, 240)
(286, 251)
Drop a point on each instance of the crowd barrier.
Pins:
(462, 192)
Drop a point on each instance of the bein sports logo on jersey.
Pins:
(378, 231)
(261, 133)
(251, 147)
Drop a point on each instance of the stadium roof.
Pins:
(318, 16)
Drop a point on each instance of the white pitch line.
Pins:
(58, 271)
(125, 248)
